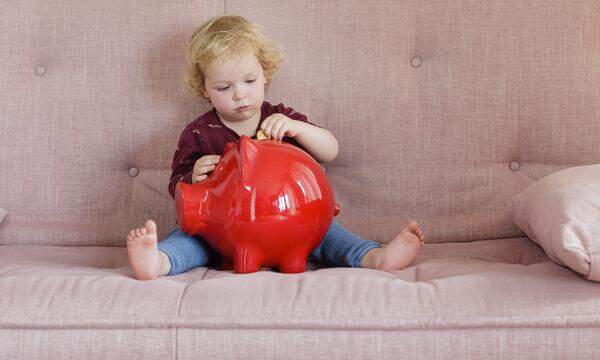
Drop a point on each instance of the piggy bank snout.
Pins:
(188, 200)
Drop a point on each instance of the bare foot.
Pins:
(146, 261)
(398, 253)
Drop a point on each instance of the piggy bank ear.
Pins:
(246, 157)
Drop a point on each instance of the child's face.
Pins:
(231, 85)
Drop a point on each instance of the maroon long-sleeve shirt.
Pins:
(207, 135)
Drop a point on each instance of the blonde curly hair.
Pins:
(225, 37)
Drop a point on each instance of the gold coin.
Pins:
(260, 135)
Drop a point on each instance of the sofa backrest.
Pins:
(444, 110)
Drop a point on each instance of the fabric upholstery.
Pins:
(431, 103)
(561, 213)
(456, 296)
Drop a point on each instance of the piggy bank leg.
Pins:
(294, 264)
(246, 260)
(226, 264)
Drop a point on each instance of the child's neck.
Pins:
(246, 127)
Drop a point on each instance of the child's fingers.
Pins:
(267, 126)
(267, 131)
(279, 129)
(200, 177)
(275, 129)
(206, 169)
(281, 133)
(204, 161)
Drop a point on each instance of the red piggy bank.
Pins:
(267, 204)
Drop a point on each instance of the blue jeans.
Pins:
(339, 248)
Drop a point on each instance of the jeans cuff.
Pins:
(172, 261)
(368, 246)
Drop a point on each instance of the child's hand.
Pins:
(278, 125)
(203, 166)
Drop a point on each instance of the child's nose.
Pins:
(239, 94)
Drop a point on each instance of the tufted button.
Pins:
(133, 171)
(515, 165)
(40, 70)
(416, 62)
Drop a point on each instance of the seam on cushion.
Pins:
(179, 312)
(175, 342)
(181, 299)
(183, 294)
(466, 322)
(178, 317)
(308, 327)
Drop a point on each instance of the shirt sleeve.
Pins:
(187, 152)
(291, 113)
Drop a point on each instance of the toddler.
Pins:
(231, 63)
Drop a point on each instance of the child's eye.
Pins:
(251, 80)
(223, 88)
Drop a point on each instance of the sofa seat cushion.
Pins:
(450, 286)
(89, 287)
(493, 283)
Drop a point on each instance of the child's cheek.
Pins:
(219, 101)
(258, 92)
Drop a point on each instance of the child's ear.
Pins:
(205, 93)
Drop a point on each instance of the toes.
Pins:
(413, 226)
(151, 226)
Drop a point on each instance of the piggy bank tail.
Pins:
(336, 209)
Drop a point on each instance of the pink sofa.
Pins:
(445, 111)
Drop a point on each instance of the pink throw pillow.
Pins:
(561, 213)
